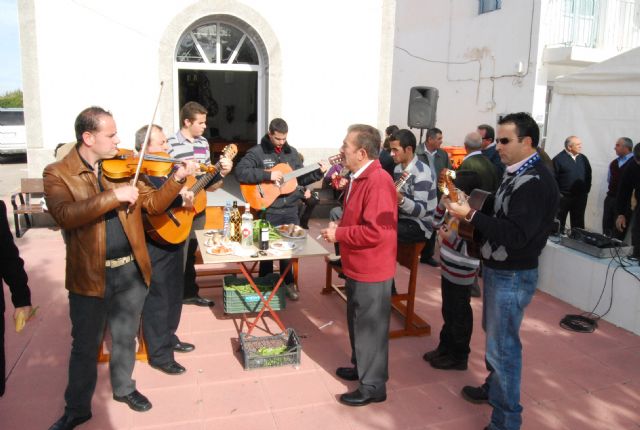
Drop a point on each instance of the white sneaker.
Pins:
(290, 291)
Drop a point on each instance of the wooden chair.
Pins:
(22, 204)
(408, 256)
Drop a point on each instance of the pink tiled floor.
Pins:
(570, 381)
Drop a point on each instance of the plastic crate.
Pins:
(236, 302)
(251, 346)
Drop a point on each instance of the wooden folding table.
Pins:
(306, 247)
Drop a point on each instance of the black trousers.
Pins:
(574, 206)
(3, 365)
(190, 287)
(121, 308)
(457, 314)
(368, 313)
(609, 219)
(163, 305)
(279, 217)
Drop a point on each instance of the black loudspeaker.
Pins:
(423, 102)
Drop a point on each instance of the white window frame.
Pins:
(261, 96)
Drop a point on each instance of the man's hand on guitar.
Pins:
(226, 166)
(187, 169)
(324, 166)
(400, 198)
(187, 197)
(277, 176)
(458, 209)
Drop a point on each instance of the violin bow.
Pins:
(146, 137)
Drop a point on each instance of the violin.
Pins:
(125, 163)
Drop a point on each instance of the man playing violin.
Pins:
(108, 268)
(163, 305)
(255, 168)
(190, 144)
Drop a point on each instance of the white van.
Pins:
(12, 131)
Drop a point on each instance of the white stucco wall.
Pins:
(490, 44)
(333, 64)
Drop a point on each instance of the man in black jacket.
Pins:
(573, 175)
(526, 202)
(629, 185)
(437, 159)
(488, 134)
(255, 167)
(13, 274)
(624, 154)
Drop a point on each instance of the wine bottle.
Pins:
(264, 231)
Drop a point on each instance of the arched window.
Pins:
(220, 62)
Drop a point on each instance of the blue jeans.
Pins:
(506, 295)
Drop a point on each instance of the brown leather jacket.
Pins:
(74, 200)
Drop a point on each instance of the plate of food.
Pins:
(282, 245)
(291, 231)
(220, 250)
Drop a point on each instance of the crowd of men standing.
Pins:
(116, 275)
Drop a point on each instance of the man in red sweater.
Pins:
(367, 234)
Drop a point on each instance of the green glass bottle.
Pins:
(263, 244)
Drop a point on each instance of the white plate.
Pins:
(281, 245)
(297, 228)
(219, 250)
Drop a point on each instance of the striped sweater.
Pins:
(420, 195)
(455, 264)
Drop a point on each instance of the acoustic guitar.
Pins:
(173, 225)
(261, 196)
(479, 200)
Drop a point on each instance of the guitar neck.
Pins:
(204, 179)
(302, 171)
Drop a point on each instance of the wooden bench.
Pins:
(408, 256)
(30, 188)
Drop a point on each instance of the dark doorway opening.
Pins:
(230, 97)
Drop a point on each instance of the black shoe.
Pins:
(475, 395)
(475, 290)
(356, 398)
(136, 401)
(428, 356)
(68, 423)
(446, 362)
(198, 301)
(430, 261)
(184, 347)
(171, 368)
(347, 373)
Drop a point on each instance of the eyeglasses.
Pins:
(505, 140)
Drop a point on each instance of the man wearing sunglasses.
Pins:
(514, 236)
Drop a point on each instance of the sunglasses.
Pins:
(505, 140)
